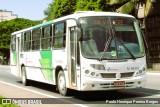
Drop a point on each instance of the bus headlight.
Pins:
(143, 69)
(86, 72)
(92, 73)
(140, 72)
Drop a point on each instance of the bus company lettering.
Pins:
(100, 21)
(132, 68)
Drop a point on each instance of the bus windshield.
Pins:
(111, 37)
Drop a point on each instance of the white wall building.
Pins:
(7, 15)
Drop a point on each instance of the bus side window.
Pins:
(22, 42)
(46, 37)
(13, 43)
(36, 39)
(59, 38)
(27, 41)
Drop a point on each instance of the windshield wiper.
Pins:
(130, 53)
(106, 47)
(109, 39)
(107, 44)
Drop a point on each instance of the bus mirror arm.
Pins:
(77, 22)
(79, 29)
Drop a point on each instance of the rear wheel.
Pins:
(61, 83)
(25, 81)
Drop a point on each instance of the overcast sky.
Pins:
(29, 9)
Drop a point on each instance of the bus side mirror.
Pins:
(141, 25)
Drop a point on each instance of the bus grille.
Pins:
(113, 75)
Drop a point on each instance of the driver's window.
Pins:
(99, 36)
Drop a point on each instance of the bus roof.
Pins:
(76, 15)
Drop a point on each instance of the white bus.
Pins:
(84, 51)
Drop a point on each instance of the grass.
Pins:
(7, 105)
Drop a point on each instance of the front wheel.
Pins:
(25, 81)
(62, 83)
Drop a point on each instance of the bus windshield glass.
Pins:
(111, 37)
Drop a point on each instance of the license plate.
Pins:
(119, 83)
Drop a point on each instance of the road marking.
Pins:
(153, 73)
(50, 96)
(28, 90)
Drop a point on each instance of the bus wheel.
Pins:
(25, 81)
(62, 83)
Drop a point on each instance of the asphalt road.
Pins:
(11, 86)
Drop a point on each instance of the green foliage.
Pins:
(126, 8)
(8, 27)
(16, 24)
(155, 1)
(114, 2)
(84, 5)
(60, 8)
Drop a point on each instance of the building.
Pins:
(7, 15)
(150, 21)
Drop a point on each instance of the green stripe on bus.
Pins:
(46, 62)
(43, 24)
(15, 58)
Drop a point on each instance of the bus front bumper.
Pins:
(91, 84)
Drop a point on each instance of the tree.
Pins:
(85, 5)
(129, 6)
(60, 8)
(8, 27)
(148, 5)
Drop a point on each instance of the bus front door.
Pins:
(73, 56)
(14, 61)
(18, 46)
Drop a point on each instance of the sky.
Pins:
(29, 9)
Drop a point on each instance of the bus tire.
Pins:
(61, 83)
(25, 81)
